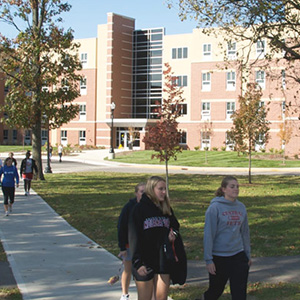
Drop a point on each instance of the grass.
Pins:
(214, 159)
(91, 202)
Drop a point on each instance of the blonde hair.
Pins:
(219, 192)
(149, 190)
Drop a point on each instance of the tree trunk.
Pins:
(167, 178)
(249, 173)
(37, 149)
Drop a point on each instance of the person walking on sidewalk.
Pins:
(14, 161)
(125, 254)
(28, 166)
(227, 243)
(60, 151)
(10, 179)
(153, 221)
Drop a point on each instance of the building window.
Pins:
(230, 108)
(64, 137)
(183, 138)
(179, 53)
(5, 134)
(259, 143)
(44, 136)
(230, 81)
(15, 135)
(229, 144)
(205, 140)
(83, 59)
(83, 90)
(205, 113)
(82, 112)
(283, 82)
(27, 138)
(231, 50)
(260, 49)
(82, 138)
(206, 81)
(260, 78)
(180, 80)
(206, 51)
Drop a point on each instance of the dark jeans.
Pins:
(236, 269)
(8, 192)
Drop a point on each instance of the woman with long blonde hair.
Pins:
(153, 220)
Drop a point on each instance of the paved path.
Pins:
(52, 260)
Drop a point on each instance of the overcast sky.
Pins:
(85, 15)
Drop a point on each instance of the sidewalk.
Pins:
(52, 260)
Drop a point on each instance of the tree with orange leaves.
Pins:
(164, 137)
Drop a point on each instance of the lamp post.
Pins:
(48, 168)
(111, 150)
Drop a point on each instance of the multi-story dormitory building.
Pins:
(124, 65)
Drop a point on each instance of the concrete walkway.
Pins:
(52, 260)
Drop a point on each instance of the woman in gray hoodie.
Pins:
(227, 242)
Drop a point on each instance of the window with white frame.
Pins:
(83, 89)
(229, 143)
(206, 81)
(260, 49)
(179, 53)
(231, 50)
(205, 140)
(283, 107)
(82, 137)
(180, 80)
(230, 108)
(83, 59)
(260, 78)
(82, 112)
(44, 136)
(206, 51)
(205, 113)
(259, 143)
(283, 82)
(64, 137)
(230, 81)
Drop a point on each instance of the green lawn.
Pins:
(91, 202)
(213, 159)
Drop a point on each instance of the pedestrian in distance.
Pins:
(123, 224)
(10, 180)
(153, 221)
(60, 152)
(28, 166)
(14, 161)
(227, 242)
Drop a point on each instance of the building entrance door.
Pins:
(124, 138)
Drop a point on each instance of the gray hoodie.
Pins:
(226, 230)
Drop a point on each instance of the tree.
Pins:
(41, 67)
(164, 137)
(206, 131)
(249, 21)
(285, 134)
(249, 122)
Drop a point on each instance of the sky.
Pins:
(85, 15)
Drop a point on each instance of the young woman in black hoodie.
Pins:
(152, 222)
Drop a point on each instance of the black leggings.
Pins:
(8, 192)
(236, 269)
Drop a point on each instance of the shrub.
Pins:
(197, 148)
(215, 148)
(223, 148)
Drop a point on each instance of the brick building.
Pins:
(124, 65)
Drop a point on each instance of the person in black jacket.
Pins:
(123, 238)
(28, 165)
(153, 221)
